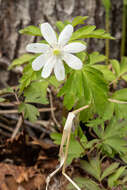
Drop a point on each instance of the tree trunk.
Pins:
(17, 14)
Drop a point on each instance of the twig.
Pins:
(9, 104)
(16, 111)
(8, 111)
(117, 101)
(52, 111)
(5, 133)
(35, 125)
(17, 127)
(6, 127)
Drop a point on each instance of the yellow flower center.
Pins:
(56, 52)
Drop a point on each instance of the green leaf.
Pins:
(100, 34)
(123, 66)
(31, 30)
(2, 99)
(75, 149)
(108, 75)
(6, 90)
(124, 77)
(53, 81)
(37, 92)
(111, 169)
(85, 183)
(115, 66)
(80, 33)
(120, 94)
(125, 2)
(84, 87)
(107, 4)
(22, 60)
(112, 180)
(120, 109)
(60, 25)
(90, 144)
(95, 57)
(30, 111)
(79, 20)
(98, 87)
(28, 76)
(114, 136)
(93, 167)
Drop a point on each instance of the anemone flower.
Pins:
(55, 52)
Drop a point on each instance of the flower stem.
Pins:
(124, 15)
(107, 44)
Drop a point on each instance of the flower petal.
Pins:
(37, 48)
(48, 33)
(59, 70)
(72, 61)
(38, 63)
(74, 47)
(65, 35)
(48, 67)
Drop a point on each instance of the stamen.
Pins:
(56, 52)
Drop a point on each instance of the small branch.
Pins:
(117, 101)
(8, 104)
(52, 110)
(6, 127)
(17, 127)
(5, 133)
(16, 111)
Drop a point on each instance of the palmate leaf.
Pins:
(109, 170)
(28, 76)
(31, 30)
(80, 33)
(30, 111)
(112, 180)
(37, 92)
(90, 32)
(93, 167)
(108, 74)
(84, 87)
(79, 20)
(95, 57)
(120, 109)
(120, 68)
(85, 184)
(113, 137)
(22, 60)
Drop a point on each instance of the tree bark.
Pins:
(17, 14)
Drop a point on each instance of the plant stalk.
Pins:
(107, 44)
(124, 16)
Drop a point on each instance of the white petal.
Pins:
(59, 70)
(72, 61)
(74, 47)
(38, 63)
(65, 35)
(37, 48)
(48, 67)
(48, 33)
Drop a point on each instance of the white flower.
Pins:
(55, 52)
